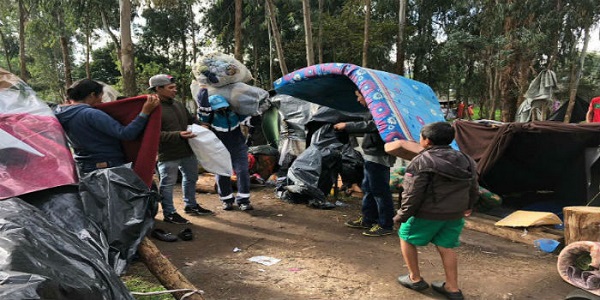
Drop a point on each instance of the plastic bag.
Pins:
(218, 69)
(244, 99)
(210, 151)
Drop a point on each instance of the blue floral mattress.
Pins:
(400, 106)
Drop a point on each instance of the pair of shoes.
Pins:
(439, 287)
(227, 206)
(246, 206)
(186, 235)
(358, 223)
(162, 235)
(175, 218)
(417, 286)
(198, 210)
(377, 230)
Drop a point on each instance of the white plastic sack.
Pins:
(244, 99)
(210, 151)
(225, 69)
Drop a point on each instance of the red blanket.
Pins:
(142, 151)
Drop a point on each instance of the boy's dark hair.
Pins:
(439, 133)
(83, 88)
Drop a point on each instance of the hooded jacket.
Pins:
(94, 135)
(439, 184)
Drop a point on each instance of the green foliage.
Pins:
(139, 284)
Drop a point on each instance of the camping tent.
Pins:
(537, 162)
(577, 115)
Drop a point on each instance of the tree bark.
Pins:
(310, 54)
(582, 223)
(320, 34)
(164, 271)
(64, 47)
(127, 59)
(22, 61)
(365, 49)
(5, 51)
(277, 37)
(400, 40)
(576, 75)
(237, 51)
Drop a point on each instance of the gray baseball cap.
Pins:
(160, 80)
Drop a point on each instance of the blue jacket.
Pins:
(94, 135)
(223, 120)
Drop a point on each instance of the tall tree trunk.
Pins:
(88, 50)
(237, 51)
(277, 37)
(310, 54)
(184, 81)
(112, 36)
(64, 47)
(320, 37)
(400, 40)
(365, 49)
(193, 28)
(22, 20)
(576, 75)
(270, 46)
(127, 59)
(5, 47)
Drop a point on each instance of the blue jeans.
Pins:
(235, 142)
(377, 203)
(167, 170)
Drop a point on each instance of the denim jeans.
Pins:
(234, 142)
(377, 203)
(167, 170)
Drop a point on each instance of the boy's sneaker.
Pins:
(359, 223)
(376, 230)
(246, 206)
(175, 218)
(198, 210)
(227, 206)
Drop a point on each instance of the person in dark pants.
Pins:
(174, 153)
(377, 203)
(216, 114)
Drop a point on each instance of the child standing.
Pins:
(215, 112)
(377, 204)
(440, 187)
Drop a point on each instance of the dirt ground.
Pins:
(323, 259)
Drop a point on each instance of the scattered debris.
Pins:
(264, 260)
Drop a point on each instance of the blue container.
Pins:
(546, 245)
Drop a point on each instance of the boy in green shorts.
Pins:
(440, 187)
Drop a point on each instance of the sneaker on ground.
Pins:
(175, 218)
(246, 206)
(227, 206)
(198, 210)
(376, 230)
(358, 223)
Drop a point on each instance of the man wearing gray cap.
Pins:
(174, 152)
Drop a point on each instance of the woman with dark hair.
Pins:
(94, 135)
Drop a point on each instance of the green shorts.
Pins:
(421, 232)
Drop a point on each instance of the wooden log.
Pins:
(582, 223)
(168, 275)
(486, 225)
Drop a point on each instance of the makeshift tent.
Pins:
(400, 106)
(580, 109)
(538, 98)
(542, 164)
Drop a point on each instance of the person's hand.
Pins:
(468, 212)
(396, 219)
(187, 135)
(152, 101)
(339, 126)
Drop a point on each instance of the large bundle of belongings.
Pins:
(63, 237)
(542, 166)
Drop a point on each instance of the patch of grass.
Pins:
(139, 284)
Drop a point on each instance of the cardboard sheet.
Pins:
(522, 218)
